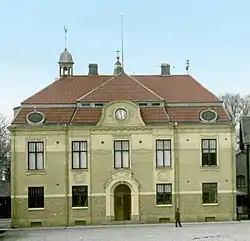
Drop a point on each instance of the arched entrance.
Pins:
(122, 202)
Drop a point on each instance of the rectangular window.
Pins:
(80, 196)
(36, 197)
(36, 155)
(79, 155)
(209, 152)
(209, 192)
(163, 194)
(121, 151)
(163, 153)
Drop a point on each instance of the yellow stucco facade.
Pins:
(186, 173)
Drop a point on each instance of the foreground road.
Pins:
(208, 232)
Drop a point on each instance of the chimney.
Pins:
(93, 69)
(165, 70)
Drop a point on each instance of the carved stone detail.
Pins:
(101, 152)
(121, 176)
(79, 177)
(162, 176)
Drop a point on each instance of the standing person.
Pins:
(177, 218)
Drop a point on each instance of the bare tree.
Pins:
(238, 106)
(4, 148)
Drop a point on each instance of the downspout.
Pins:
(90, 196)
(233, 171)
(248, 186)
(13, 179)
(67, 175)
(176, 167)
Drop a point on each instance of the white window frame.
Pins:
(122, 151)
(35, 152)
(79, 153)
(163, 150)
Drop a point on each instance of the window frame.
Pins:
(210, 150)
(36, 152)
(36, 205)
(215, 202)
(164, 194)
(76, 204)
(121, 151)
(239, 183)
(163, 151)
(85, 143)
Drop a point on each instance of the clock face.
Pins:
(121, 114)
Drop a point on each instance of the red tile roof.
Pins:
(122, 87)
(52, 115)
(87, 115)
(149, 115)
(106, 88)
(176, 88)
(154, 114)
(192, 114)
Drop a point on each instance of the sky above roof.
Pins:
(214, 35)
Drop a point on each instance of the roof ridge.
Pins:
(145, 87)
(95, 89)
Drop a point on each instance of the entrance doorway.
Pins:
(122, 202)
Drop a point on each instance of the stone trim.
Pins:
(121, 176)
(132, 193)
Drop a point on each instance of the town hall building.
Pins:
(120, 148)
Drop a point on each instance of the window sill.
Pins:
(79, 208)
(35, 209)
(165, 167)
(164, 205)
(209, 204)
(208, 168)
(79, 169)
(35, 172)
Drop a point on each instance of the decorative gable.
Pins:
(121, 113)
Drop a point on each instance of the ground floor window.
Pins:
(80, 196)
(36, 197)
(209, 193)
(164, 194)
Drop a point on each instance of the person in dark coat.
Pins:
(177, 218)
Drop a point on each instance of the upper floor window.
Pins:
(79, 155)
(209, 193)
(209, 152)
(163, 153)
(36, 155)
(80, 196)
(164, 194)
(35, 197)
(241, 181)
(121, 151)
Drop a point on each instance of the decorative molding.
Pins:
(79, 177)
(108, 117)
(121, 175)
(141, 151)
(101, 152)
(162, 176)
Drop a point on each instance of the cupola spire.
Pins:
(118, 65)
(66, 60)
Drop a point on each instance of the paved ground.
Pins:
(195, 232)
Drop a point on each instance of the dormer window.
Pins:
(155, 104)
(143, 104)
